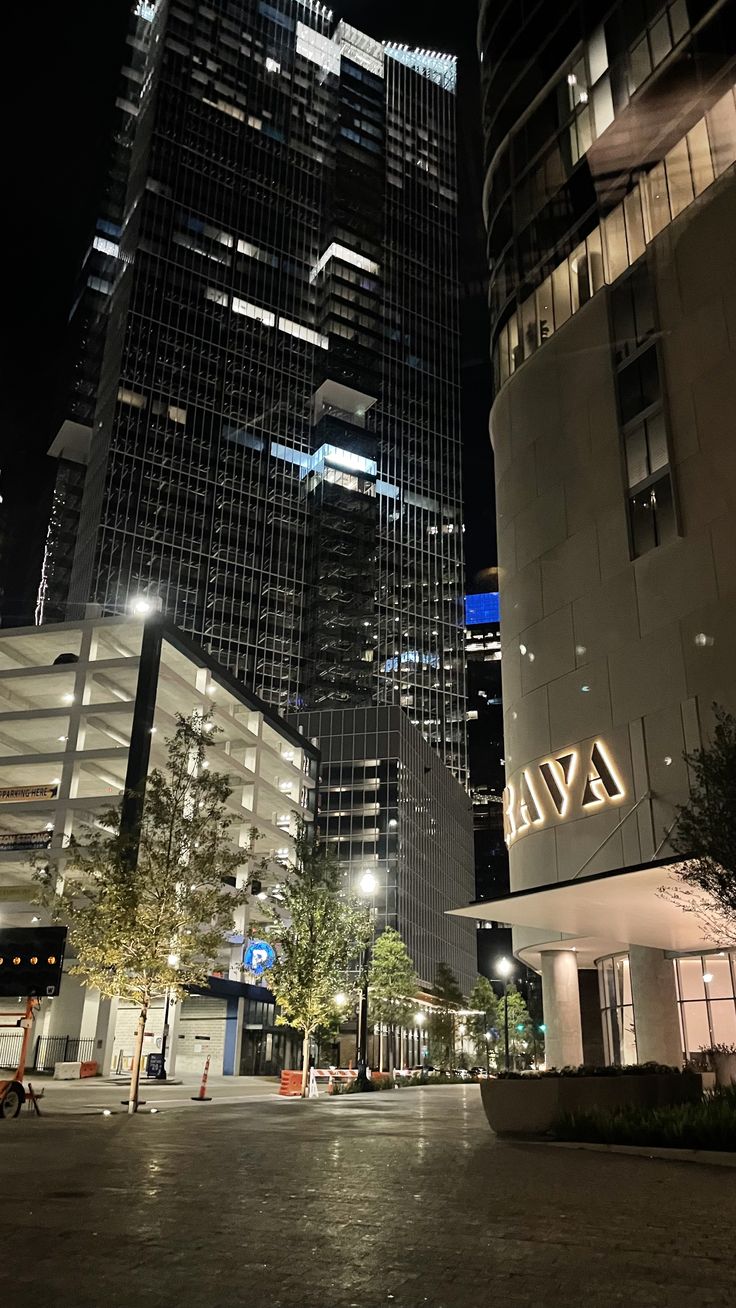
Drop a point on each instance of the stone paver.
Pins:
(95, 1094)
(398, 1199)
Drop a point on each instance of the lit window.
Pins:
(345, 255)
(254, 311)
(679, 177)
(272, 65)
(721, 120)
(226, 108)
(133, 398)
(318, 49)
(303, 333)
(106, 247)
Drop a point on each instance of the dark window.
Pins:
(638, 385)
(646, 449)
(632, 312)
(652, 516)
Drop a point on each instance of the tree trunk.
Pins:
(305, 1064)
(135, 1071)
(381, 1028)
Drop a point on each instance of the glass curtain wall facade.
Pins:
(388, 806)
(272, 342)
(576, 195)
(706, 1004)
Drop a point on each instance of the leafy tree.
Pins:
(150, 908)
(705, 835)
(392, 983)
(483, 1024)
(441, 1027)
(520, 1023)
(536, 1018)
(316, 932)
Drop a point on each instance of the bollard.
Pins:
(202, 1098)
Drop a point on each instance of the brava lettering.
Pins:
(571, 784)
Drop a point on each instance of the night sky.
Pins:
(54, 162)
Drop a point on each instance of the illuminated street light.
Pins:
(505, 968)
(141, 606)
(368, 883)
(341, 999)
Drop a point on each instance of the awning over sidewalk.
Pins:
(603, 913)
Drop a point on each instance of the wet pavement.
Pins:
(96, 1094)
(402, 1199)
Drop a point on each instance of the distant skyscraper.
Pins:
(387, 806)
(268, 376)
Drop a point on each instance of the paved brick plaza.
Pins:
(391, 1199)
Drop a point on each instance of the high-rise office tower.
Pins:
(267, 391)
(610, 202)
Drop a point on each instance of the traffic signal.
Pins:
(31, 960)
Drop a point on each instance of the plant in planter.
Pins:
(530, 1103)
(722, 1060)
(591, 1069)
(709, 1123)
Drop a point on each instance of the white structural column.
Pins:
(172, 1039)
(107, 1016)
(563, 1041)
(655, 1006)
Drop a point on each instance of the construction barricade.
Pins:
(291, 1083)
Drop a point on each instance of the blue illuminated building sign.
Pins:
(482, 610)
(259, 956)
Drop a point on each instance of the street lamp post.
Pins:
(505, 968)
(173, 961)
(368, 885)
(419, 1021)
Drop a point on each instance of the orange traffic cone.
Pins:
(202, 1098)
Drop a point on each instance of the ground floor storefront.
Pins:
(629, 974)
(231, 1024)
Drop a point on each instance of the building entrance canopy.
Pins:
(603, 914)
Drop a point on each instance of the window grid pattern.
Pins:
(706, 1002)
(663, 192)
(642, 416)
(235, 146)
(387, 806)
(420, 552)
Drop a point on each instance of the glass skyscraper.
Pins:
(267, 393)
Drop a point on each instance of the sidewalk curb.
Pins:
(144, 1081)
(716, 1157)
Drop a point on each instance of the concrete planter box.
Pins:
(530, 1106)
(724, 1066)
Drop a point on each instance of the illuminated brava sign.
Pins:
(573, 783)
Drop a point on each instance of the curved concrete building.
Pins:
(610, 204)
